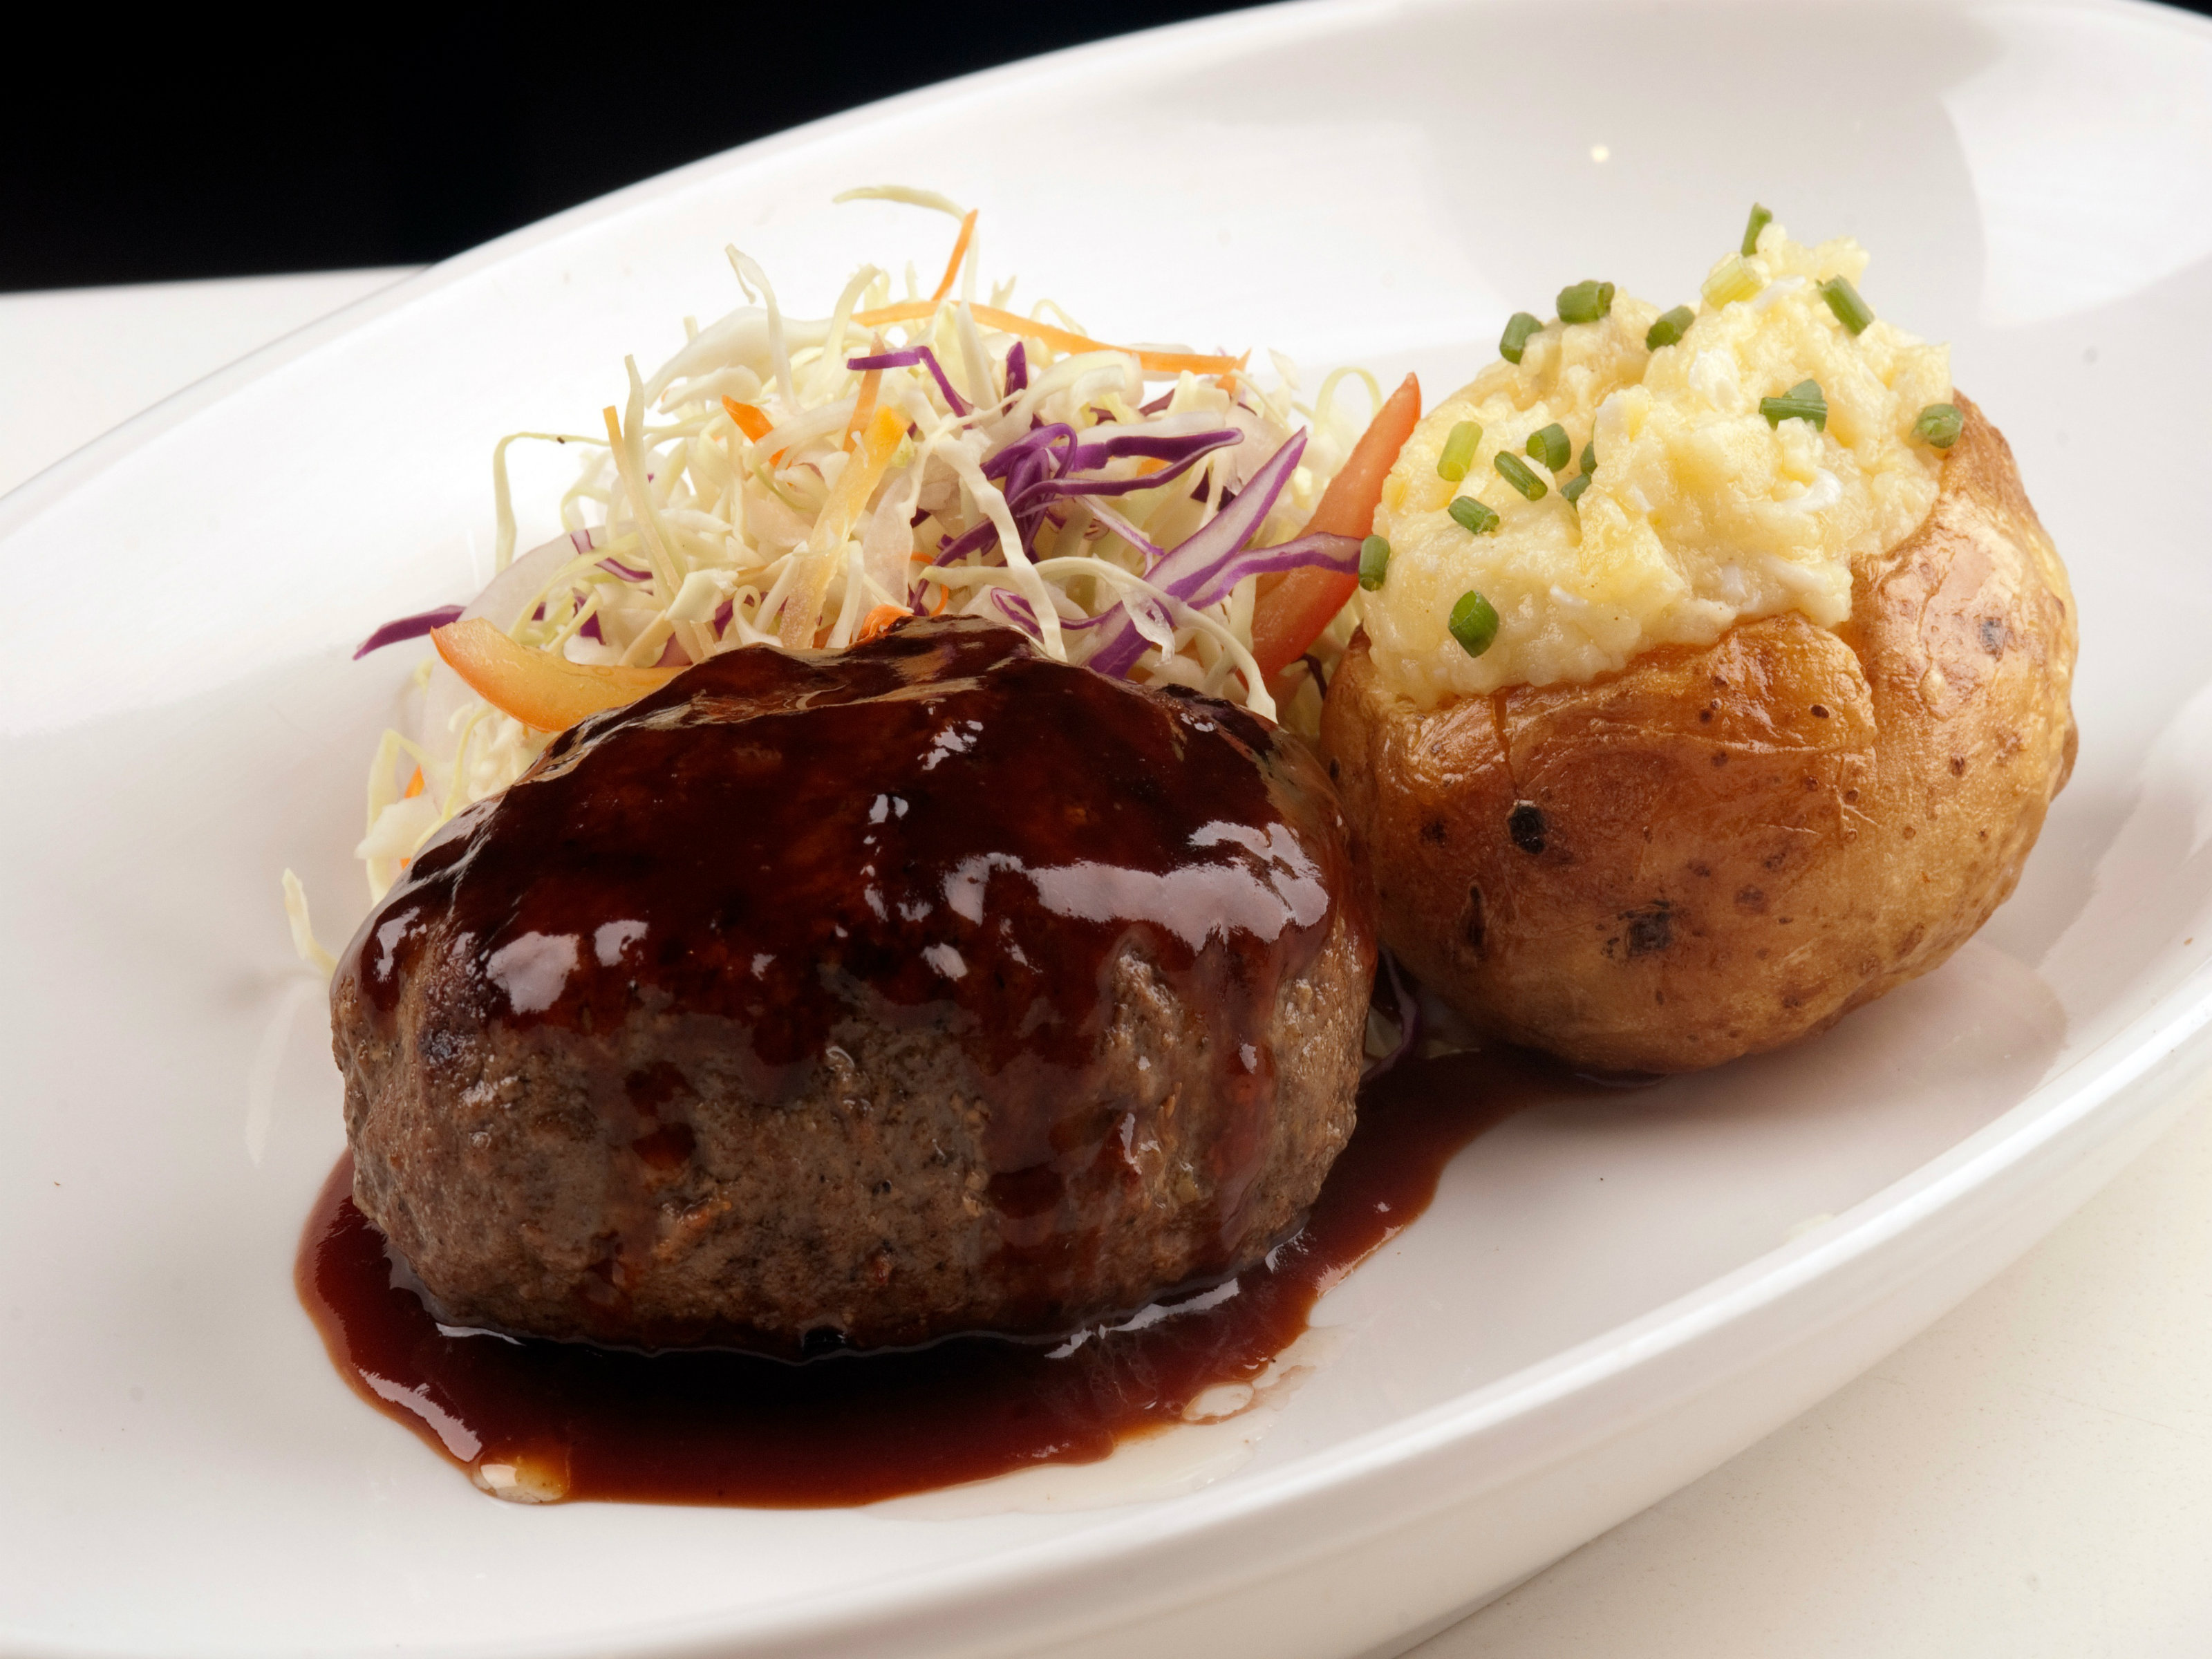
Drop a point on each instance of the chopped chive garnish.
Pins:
(1939, 425)
(1551, 446)
(1518, 473)
(1515, 341)
(1472, 516)
(1671, 326)
(1803, 402)
(1459, 451)
(1571, 491)
(1760, 218)
(1589, 457)
(1853, 313)
(1732, 280)
(1585, 302)
(1374, 563)
(1474, 623)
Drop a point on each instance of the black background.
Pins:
(139, 152)
(205, 147)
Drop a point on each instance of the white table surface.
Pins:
(2031, 1477)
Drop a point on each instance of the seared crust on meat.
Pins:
(864, 1205)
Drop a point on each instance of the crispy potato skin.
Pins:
(1716, 852)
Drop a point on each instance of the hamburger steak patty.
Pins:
(858, 998)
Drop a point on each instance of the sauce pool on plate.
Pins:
(547, 1420)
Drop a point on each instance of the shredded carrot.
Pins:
(944, 598)
(545, 692)
(415, 785)
(881, 617)
(1290, 610)
(863, 407)
(1060, 339)
(959, 253)
(750, 422)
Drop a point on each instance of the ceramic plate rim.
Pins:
(2095, 1092)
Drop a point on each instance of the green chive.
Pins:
(1518, 473)
(1515, 341)
(1585, 302)
(1853, 313)
(1760, 218)
(1374, 563)
(1730, 281)
(1459, 451)
(1472, 516)
(1474, 623)
(1671, 326)
(1551, 445)
(1589, 457)
(1803, 402)
(1571, 491)
(1939, 425)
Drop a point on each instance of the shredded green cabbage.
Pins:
(736, 443)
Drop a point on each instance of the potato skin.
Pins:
(1716, 852)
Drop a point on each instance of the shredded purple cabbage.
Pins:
(953, 400)
(1003, 460)
(1202, 570)
(1209, 584)
(1407, 1014)
(907, 359)
(408, 628)
(1052, 466)
(1040, 468)
(972, 540)
(1183, 447)
(1129, 533)
(1031, 496)
(1019, 611)
(614, 568)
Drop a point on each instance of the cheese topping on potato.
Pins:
(1699, 513)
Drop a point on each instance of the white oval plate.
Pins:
(1604, 1300)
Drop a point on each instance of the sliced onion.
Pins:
(501, 604)
(1408, 1017)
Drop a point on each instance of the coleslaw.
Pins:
(807, 483)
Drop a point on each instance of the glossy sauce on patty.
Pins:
(692, 910)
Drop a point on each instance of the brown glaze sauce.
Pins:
(707, 861)
(717, 1426)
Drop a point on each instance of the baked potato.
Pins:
(1715, 849)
